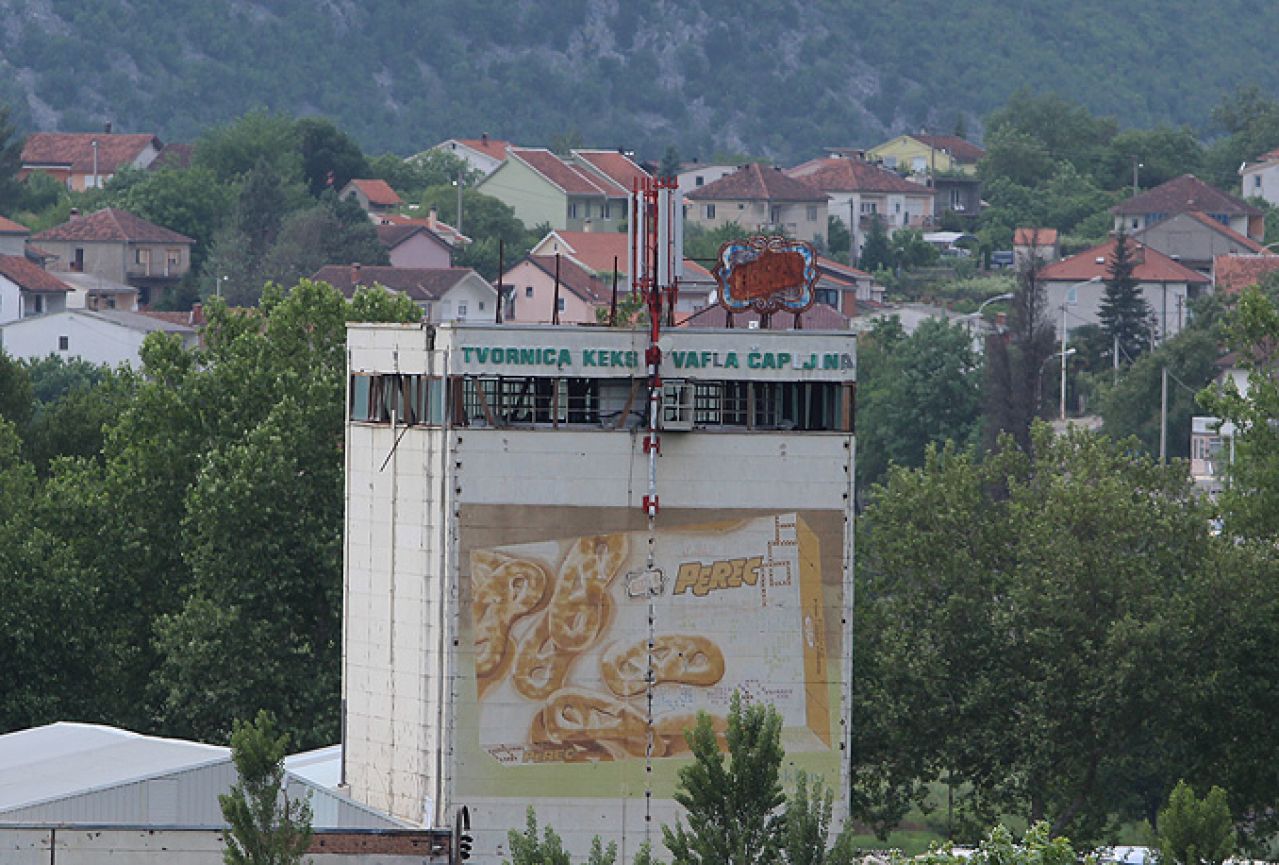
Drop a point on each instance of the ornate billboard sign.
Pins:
(766, 275)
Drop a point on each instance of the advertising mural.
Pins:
(560, 631)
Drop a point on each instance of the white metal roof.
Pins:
(55, 761)
(322, 767)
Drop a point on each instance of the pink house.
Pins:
(531, 291)
(415, 246)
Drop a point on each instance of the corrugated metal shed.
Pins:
(85, 775)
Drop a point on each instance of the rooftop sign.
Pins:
(766, 275)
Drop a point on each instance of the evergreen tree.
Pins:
(1196, 831)
(670, 163)
(10, 161)
(1124, 312)
(877, 252)
(265, 827)
(1015, 362)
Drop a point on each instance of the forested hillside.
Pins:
(776, 78)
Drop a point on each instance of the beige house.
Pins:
(761, 199)
(120, 247)
(13, 237)
(1195, 239)
(375, 196)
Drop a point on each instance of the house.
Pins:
(534, 292)
(374, 196)
(1189, 193)
(570, 194)
(85, 160)
(1194, 238)
(26, 289)
(761, 199)
(443, 293)
(1075, 286)
(928, 155)
(1035, 244)
(1231, 274)
(13, 237)
(121, 247)
(695, 175)
(101, 336)
(611, 165)
(861, 192)
(90, 291)
(415, 246)
(845, 288)
(1260, 178)
(483, 154)
(819, 316)
(431, 223)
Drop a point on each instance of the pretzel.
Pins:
(680, 658)
(573, 716)
(540, 666)
(580, 607)
(504, 589)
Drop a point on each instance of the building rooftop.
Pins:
(1181, 194)
(74, 150)
(112, 225)
(755, 182)
(1150, 265)
(842, 174)
(29, 276)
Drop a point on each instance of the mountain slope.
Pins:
(780, 78)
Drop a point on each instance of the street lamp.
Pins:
(218, 285)
(975, 316)
(1039, 379)
(458, 184)
(1135, 167)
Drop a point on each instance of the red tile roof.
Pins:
(29, 276)
(442, 230)
(615, 166)
(392, 235)
(569, 178)
(75, 150)
(1150, 266)
(1269, 156)
(964, 151)
(378, 192)
(1233, 273)
(177, 155)
(594, 249)
(1226, 231)
(419, 283)
(819, 316)
(575, 278)
(8, 226)
(1182, 194)
(755, 182)
(838, 268)
(488, 146)
(841, 174)
(1040, 236)
(112, 225)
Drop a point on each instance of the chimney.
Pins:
(197, 314)
(484, 138)
(355, 273)
(586, 226)
(106, 127)
(433, 217)
(1001, 320)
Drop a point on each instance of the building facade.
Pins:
(498, 589)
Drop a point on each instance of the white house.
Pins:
(1260, 179)
(484, 154)
(443, 293)
(695, 175)
(27, 289)
(105, 336)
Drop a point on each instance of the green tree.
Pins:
(232, 151)
(10, 161)
(1124, 313)
(1014, 363)
(15, 390)
(877, 251)
(733, 805)
(1196, 831)
(412, 176)
(910, 250)
(998, 847)
(914, 391)
(1022, 620)
(670, 165)
(528, 848)
(189, 201)
(330, 157)
(808, 825)
(265, 827)
(702, 245)
(838, 238)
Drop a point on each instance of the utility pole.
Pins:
(1135, 167)
(459, 203)
(1163, 416)
(1063, 362)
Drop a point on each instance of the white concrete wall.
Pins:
(92, 339)
(1168, 301)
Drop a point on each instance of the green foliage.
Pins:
(230, 152)
(1037, 847)
(486, 221)
(1250, 120)
(15, 390)
(839, 239)
(914, 391)
(670, 164)
(265, 827)
(702, 244)
(527, 848)
(877, 252)
(1014, 365)
(411, 177)
(75, 402)
(1124, 313)
(190, 201)
(330, 157)
(732, 804)
(1063, 700)
(10, 161)
(631, 310)
(1196, 831)
(808, 825)
(910, 250)
(601, 855)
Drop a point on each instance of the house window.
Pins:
(812, 213)
(869, 207)
(917, 164)
(954, 200)
(528, 291)
(39, 304)
(461, 310)
(1072, 295)
(64, 342)
(572, 210)
(699, 180)
(174, 257)
(1134, 222)
(890, 162)
(710, 211)
(481, 306)
(897, 207)
(559, 304)
(775, 215)
(607, 212)
(77, 263)
(1256, 181)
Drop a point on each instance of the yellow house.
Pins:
(928, 154)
